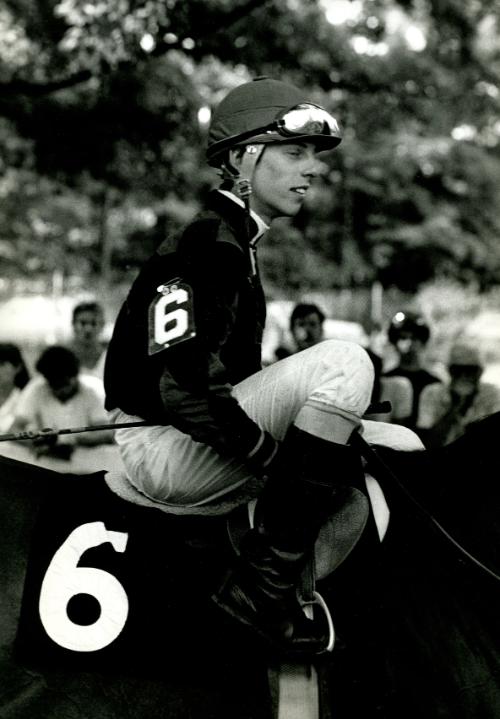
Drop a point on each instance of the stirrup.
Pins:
(318, 601)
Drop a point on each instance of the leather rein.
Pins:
(379, 468)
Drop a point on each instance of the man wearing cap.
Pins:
(447, 409)
(185, 357)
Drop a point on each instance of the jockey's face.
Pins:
(282, 178)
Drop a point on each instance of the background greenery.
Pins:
(103, 120)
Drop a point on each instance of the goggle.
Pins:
(306, 119)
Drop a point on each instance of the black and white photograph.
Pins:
(249, 359)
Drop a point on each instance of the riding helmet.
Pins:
(408, 323)
(254, 105)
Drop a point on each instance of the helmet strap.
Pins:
(248, 162)
(243, 183)
(228, 171)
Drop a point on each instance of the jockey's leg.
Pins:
(312, 401)
(310, 479)
(314, 469)
(324, 390)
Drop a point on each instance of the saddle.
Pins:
(119, 483)
(337, 537)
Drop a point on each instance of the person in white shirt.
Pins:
(446, 410)
(87, 324)
(61, 398)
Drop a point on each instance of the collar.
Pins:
(262, 226)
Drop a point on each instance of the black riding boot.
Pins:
(299, 496)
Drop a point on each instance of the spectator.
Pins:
(447, 409)
(62, 398)
(409, 334)
(306, 327)
(13, 377)
(88, 324)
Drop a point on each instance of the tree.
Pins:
(105, 108)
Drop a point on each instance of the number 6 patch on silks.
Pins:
(170, 316)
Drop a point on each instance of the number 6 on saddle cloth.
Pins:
(109, 582)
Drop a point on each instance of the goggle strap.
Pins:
(228, 142)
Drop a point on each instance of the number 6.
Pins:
(64, 579)
(179, 317)
(170, 316)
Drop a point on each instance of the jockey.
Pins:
(185, 357)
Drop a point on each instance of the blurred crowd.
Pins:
(64, 390)
(437, 403)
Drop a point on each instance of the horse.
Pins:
(105, 604)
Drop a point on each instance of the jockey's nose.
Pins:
(312, 167)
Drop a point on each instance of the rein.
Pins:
(380, 468)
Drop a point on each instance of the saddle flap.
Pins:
(336, 539)
(341, 532)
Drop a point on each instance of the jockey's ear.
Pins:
(235, 155)
(229, 168)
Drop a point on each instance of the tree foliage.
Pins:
(102, 137)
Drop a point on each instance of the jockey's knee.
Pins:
(357, 370)
(351, 354)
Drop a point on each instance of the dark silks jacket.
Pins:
(190, 328)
